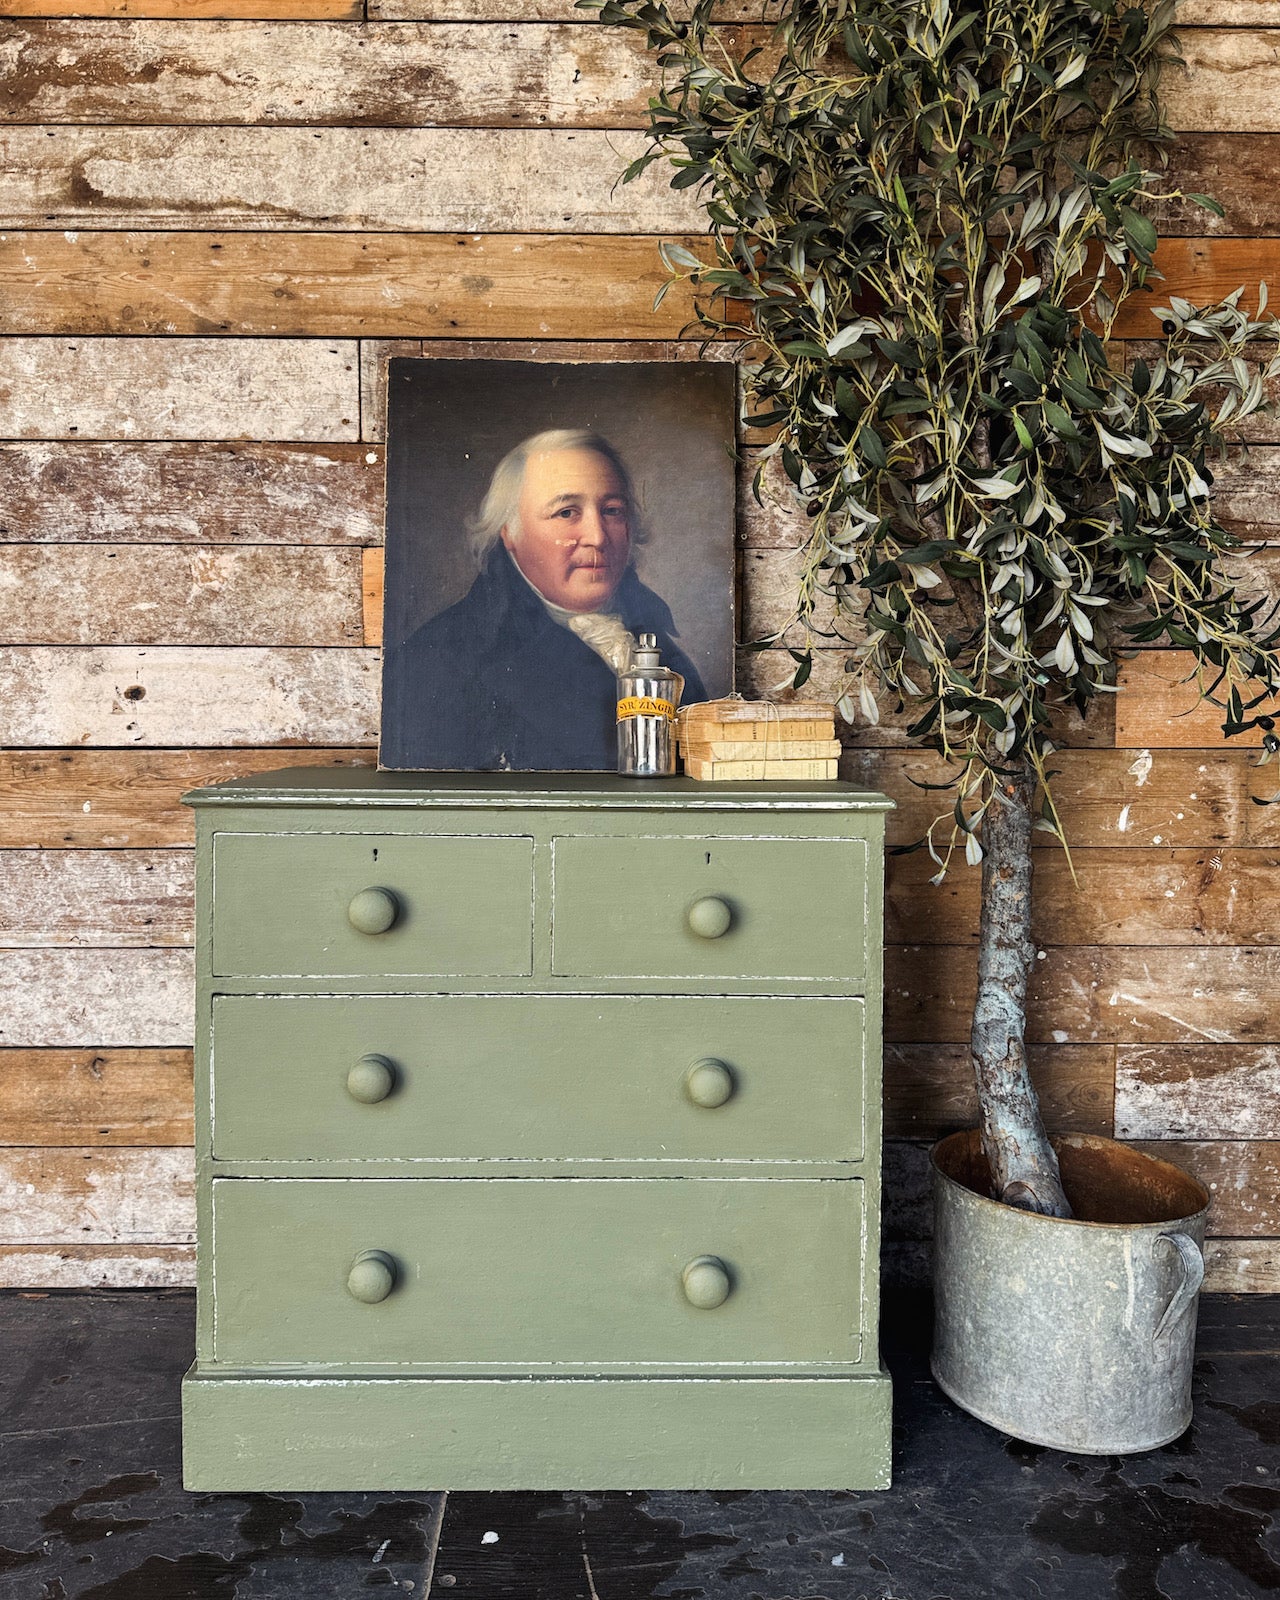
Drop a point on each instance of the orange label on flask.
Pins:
(645, 706)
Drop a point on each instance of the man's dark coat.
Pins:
(495, 683)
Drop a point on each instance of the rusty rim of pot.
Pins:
(1107, 1183)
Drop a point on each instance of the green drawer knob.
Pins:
(708, 1083)
(372, 1277)
(706, 1282)
(373, 911)
(371, 1079)
(709, 918)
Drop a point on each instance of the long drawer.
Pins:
(372, 905)
(539, 1077)
(784, 909)
(530, 1273)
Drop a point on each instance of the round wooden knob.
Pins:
(708, 1083)
(372, 1277)
(371, 1079)
(706, 1282)
(709, 918)
(373, 911)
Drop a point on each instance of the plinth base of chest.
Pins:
(296, 1433)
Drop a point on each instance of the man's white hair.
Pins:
(500, 507)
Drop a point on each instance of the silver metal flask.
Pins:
(648, 694)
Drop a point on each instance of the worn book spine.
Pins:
(760, 710)
(695, 730)
(725, 771)
(760, 749)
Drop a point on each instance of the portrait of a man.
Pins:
(547, 537)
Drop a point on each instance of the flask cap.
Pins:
(647, 653)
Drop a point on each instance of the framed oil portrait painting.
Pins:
(540, 516)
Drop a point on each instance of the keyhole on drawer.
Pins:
(375, 855)
(708, 858)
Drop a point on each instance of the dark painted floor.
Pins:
(91, 1505)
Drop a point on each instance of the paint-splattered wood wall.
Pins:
(217, 218)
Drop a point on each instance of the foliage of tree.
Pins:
(926, 215)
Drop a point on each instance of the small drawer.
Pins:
(781, 909)
(537, 1077)
(371, 905)
(487, 1273)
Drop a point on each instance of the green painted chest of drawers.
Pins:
(538, 1134)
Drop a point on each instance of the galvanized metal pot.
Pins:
(1074, 1334)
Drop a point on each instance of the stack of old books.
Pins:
(719, 740)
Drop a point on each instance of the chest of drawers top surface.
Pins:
(363, 786)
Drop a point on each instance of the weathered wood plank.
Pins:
(1087, 996)
(1239, 1246)
(411, 180)
(1130, 897)
(777, 520)
(278, 389)
(1113, 799)
(928, 1089)
(116, 799)
(337, 285)
(174, 594)
(95, 1097)
(90, 799)
(375, 74)
(1242, 1266)
(374, 355)
(96, 1197)
(103, 1266)
(1232, 81)
(1259, 429)
(373, 572)
(1246, 492)
(475, 73)
(1227, 14)
(1264, 812)
(771, 582)
(91, 999)
(747, 11)
(1159, 708)
(1246, 495)
(768, 674)
(1094, 995)
(1238, 170)
(1242, 1177)
(1191, 13)
(417, 180)
(96, 897)
(65, 492)
(1198, 1091)
(166, 695)
(299, 10)
(1200, 270)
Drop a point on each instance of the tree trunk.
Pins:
(1024, 1169)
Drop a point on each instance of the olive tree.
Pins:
(925, 216)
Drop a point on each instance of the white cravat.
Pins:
(604, 632)
(601, 631)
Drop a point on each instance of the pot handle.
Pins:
(1192, 1262)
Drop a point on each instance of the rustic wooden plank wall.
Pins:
(217, 220)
